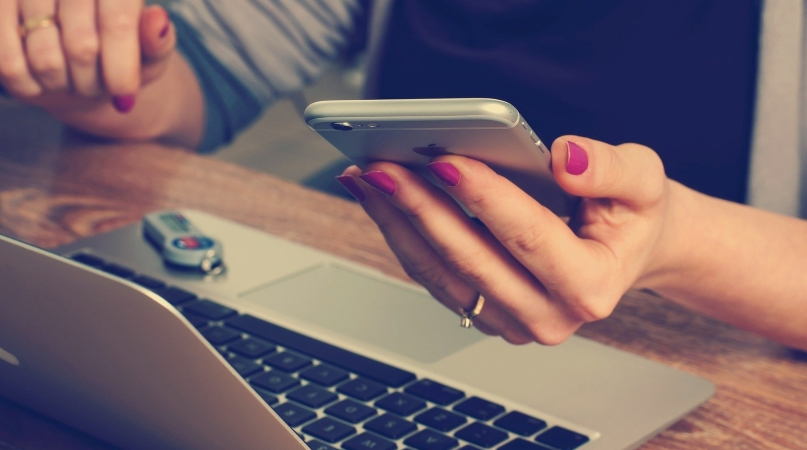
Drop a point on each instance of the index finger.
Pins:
(119, 27)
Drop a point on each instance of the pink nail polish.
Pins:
(164, 31)
(351, 186)
(380, 181)
(123, 103)
(445, 172)
(576, 160)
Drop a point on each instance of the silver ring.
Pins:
(467, 315)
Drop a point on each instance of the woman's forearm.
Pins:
(738, 264)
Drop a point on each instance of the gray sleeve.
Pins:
(273, 47)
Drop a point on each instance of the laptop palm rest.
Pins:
(402, 320)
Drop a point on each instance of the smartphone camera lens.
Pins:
(342, 126)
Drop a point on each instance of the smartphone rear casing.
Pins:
(412, 132)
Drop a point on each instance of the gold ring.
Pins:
(467, 315)
(37, 23)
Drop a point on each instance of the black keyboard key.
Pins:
(243, 366)
(148, 282)
(210, 309)
(274, 381)
(390, 426)
(88, 259)
(362, 389)
(521, 444)
(479, 408)
(294, 415)
(251, 348)
(561, 438)
(401, 404)
(435, 392)
(317, 445)
(375, 370)
(431, 440)
(329, 430)
(440, 419)
(196, 321)
(324, 375)
(367, 441)
(220, 335)
(481, 435)
(520, 423)
(312, 396)
(350, 411)
(175, 295)
(267, 397)
(287, 362)
(118, 270)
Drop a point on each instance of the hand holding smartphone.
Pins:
(412, 132)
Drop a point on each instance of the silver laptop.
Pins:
(292, 348)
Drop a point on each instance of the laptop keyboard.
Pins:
(336, 399)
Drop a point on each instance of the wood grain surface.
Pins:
(71, 188)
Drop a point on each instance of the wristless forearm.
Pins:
(738, 264)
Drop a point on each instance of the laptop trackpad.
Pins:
(398, 319)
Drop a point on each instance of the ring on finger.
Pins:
(467, 315)
(32, 24)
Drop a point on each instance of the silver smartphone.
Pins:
(412, 132)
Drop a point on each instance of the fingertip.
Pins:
(572, 162)
(123, 103)
(576, 158)
(352, 187)
(156, 31)
(570, 154)
(351, 171)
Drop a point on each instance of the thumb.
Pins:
(157, 40)
(631, 173)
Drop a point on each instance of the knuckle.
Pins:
(119, 24)
(47, 61)
(516, 338)
(653, 174)
(83, 48)
(592, 308)
(476, 200)
(418, 210)
(428, 275)
(607, 180)
(528, 239)
(547, 336)
(12, 69)
(469, 265)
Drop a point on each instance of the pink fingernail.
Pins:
(445, 172)
(576, 160)
(380, 181)
(123, 103)
(351, 186)
(165, 30)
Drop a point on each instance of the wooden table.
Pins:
(54, 190)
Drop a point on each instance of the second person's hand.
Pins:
(77, 54)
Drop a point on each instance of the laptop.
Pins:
(292, 348)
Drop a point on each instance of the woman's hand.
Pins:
(542, 278)
(76, 54)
